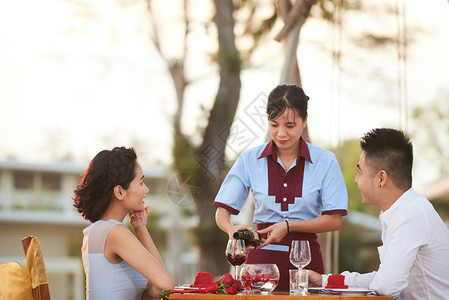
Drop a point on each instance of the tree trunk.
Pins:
(211, 156)
(294, 18)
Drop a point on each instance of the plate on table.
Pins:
(343, 292)
(184, 287)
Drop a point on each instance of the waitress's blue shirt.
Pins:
(312, 186)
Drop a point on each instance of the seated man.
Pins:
(414, 257)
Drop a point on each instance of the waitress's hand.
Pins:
(234, 228)
(275, 233)
(138, 219)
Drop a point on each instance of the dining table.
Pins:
(275, 296)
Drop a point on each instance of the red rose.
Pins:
(227, 279)
(238, 284)
(232, 290)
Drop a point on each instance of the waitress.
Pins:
(297, 187)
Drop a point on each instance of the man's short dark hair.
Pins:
(392, 151)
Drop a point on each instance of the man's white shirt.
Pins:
(414, 257)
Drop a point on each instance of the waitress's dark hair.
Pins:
(106, 170)
(287, 96)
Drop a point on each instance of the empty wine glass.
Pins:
(300, 254)
(236, 254)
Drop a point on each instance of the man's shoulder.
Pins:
(415, 201)
(412, 207)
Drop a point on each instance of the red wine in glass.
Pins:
(236, 260)
(236, 254)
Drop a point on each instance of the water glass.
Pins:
(299, 282)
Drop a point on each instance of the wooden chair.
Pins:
(36, 267)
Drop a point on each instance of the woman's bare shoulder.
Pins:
(120, 233)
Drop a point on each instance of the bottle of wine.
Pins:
(251, 237)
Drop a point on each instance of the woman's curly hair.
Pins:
(106, 170)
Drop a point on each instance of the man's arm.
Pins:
(352, 279)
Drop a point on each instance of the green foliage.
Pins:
(358, 249)
(369, 40)
(230, 61)
(158, 234)
(442, 208)
(350, 243)
(209, 234)
(184, 160)
(432, 131)
(325, 9)
(348, 157)
(256, 20)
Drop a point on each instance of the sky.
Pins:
(77, 77)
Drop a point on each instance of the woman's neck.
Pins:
(288, 153)
(114, 212)
(287, 156)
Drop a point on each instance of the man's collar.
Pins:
(270, 150)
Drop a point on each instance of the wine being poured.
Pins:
(250, 237)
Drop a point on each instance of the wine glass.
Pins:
(300, 254)
(236, 254)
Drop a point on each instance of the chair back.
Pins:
(36, 268)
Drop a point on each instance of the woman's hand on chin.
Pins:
(138, 219)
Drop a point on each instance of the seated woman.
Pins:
(118, 264)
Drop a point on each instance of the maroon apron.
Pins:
(282, 259)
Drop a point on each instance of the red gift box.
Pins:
(336, 281)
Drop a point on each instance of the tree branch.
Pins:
(297, 15)
(284, 8)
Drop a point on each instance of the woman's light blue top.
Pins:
(104, 280)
